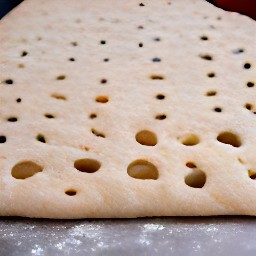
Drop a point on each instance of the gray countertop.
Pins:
(145, 236)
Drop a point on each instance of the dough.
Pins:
(123, 109)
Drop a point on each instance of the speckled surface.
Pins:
(148, 236)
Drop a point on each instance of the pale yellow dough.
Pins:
(38, 38)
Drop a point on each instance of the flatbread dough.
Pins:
(119, 109)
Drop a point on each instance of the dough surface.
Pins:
(122, 109)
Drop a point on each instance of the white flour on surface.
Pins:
(148, 228)
(102, 245)
(152, 227)
(99, 237)
(38, 251)
(89, 231)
